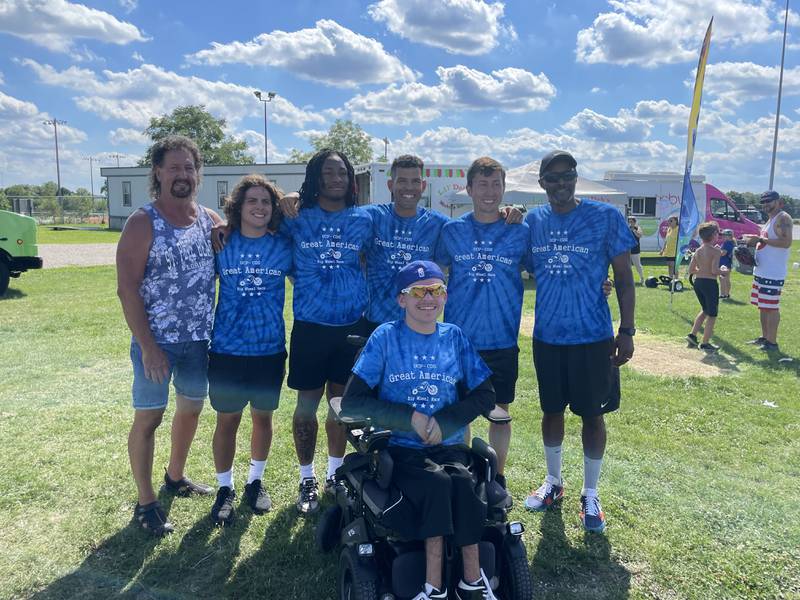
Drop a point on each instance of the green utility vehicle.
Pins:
(18, 247)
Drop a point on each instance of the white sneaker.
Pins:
(479, 591)
(431, 593)
(550, 492)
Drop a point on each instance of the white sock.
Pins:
(256, 470)
(225, 479)
(307, 471)
(552, 456)
(334, 462)
(591, 473)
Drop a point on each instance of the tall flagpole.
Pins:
(689, 216)
(780, 91)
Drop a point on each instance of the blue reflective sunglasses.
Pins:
(566, 176)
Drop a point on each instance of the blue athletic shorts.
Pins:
(188, 370)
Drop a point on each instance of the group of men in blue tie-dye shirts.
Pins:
(322, 239)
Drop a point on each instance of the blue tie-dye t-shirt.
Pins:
(421, 370)
(252, 277)
(329, 283)
(570, 255)
(484, 287)
(396, 241)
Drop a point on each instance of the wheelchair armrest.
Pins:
(372, 440)
(498, 415)
(349, 421)
(483, 450)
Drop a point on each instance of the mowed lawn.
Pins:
(700, 484)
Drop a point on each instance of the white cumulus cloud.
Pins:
(328, 53)
(136, 95)
(470, 27)
(56, 24)
(460, 88)
(652, 32)
(731, 84)
(28, 151)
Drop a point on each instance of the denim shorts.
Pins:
(188, 370)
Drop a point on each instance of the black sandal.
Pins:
(151, 517)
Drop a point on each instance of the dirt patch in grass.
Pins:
(673, 359)
(666, 358)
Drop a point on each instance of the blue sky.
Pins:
(448, 80)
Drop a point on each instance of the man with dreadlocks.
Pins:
(330, 295)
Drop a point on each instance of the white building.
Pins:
(128, 187)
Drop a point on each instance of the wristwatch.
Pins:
(631, 331)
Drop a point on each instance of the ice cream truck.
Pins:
(655, 197)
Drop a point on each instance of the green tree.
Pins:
(79, 202)
(206, 130)
(5, 203)
(343, 136)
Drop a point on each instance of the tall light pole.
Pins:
(55, 123)
(115, 155)
(260, 96)
(780, 91)
(386, 149)
(91, 160)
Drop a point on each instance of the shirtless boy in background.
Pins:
(706, 270)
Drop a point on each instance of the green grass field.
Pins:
(699, 485)
(45, 234)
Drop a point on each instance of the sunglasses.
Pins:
(566, 177)
(419, 291)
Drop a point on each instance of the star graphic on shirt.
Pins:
(416, 357)
(424, 357)
(249, 256)
(241, 256)
(324, 228)
(414, 404)
(338, 230)
(433, 357)
(258, 256)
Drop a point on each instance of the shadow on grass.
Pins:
(777, 361)
(560, 570)
(12, 294)
(288, 564)
(111, 567)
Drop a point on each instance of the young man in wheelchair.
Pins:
(425, 382)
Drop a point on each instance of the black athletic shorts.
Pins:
(437, 495)
(580, 376)
(707, 292)
(504, 365)
(233, 381)
(320, 353)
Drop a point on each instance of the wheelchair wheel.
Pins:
(356, 580)
(515, 581)
(329, 528)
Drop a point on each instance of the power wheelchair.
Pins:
(374, 563)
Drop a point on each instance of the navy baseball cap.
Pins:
(770, 196)
(415, 271)
(556, 155)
